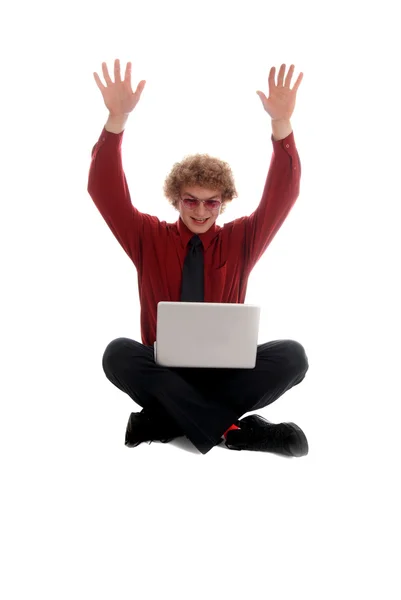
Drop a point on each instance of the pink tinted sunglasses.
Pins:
(192, 203)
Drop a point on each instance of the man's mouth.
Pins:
(199, 221)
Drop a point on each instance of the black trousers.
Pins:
(204, 402)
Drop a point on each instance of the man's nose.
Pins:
(200, 209)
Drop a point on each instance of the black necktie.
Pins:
(192, 273)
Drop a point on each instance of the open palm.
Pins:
(118, 96)
(281, 101)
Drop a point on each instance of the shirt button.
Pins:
(287, 145)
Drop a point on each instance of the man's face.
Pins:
(193, 209)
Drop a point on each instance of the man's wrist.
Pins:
(281, 128)
(116, 123)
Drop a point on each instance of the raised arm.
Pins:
(107, 184)
(283, 180)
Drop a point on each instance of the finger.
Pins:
(298, 82)
(289, 76)
(140, 87)
(106, 74)
(117, 73)
(263, 99)
(280, 77)
(99, 82)
(272, 83)
(127, 76)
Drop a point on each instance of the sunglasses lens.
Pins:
(212, 204)
(190, 203)
(209, 204)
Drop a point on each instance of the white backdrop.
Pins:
(82, 515)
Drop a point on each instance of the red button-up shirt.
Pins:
(158, 248)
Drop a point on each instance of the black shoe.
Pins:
(146, 427)
(257, 433)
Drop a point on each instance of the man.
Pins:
(194, 259)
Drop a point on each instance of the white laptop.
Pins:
(206, 335)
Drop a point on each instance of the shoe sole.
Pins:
(128, 431)
(301, 448)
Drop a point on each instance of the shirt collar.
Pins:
(186, 234)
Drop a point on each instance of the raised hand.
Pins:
(281, 101)
(118, 96)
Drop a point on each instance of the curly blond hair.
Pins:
(202, 170)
